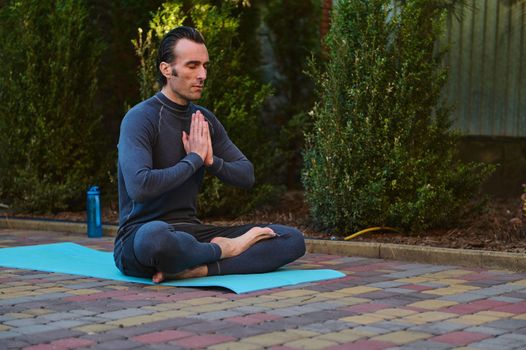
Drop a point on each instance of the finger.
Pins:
(200, 117)
(193, 126)
(201, 126)
(209, 140)
(186, 145)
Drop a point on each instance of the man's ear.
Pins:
(165, 69)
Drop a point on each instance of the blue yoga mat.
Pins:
(75, 259)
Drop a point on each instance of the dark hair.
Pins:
(170, 39)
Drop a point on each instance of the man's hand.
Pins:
(198, 141)
(209, 160)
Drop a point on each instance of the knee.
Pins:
(293, 238)
(151, 239)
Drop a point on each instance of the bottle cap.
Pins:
(93, 190)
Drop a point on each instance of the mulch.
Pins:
(500, 226)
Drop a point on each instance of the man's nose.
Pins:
(202, 73)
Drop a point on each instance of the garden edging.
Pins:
(420, 254)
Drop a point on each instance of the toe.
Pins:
(158, 277)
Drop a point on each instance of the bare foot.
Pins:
(199, 271)
(234, 246)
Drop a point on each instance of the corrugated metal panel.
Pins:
(487, 84)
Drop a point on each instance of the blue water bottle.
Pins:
(93, 212)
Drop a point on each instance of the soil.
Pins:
(501, 226)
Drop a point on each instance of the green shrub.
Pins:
(381, 151)
(231, 93)
(51, 145)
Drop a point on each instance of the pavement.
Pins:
(380, 304)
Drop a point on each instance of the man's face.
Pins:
(187, 74)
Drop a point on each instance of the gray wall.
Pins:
(487, 61)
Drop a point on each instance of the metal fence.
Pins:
(487, 67)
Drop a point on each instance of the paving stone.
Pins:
(438, 328)
(118, 345)
(241, 332)
(87, 285)
(328, 326)
(95, 328)
(129, 312)
(398, 301)
(217, 315)
(432, 304)
(371, 329)
(402, 337)
(326, 305)
(25, 322)
(49, 336)
(460, 338)
(507, 299)
(58, 316)
(463, 297)
(235, 346)
(71, 343)
(393, 325)
(8, 335)
(499, 289)
(205, 326)
(33, 276)
(36, 329)
(164, 347)
(246, 310)
(363, 345)
(496, 343)
(387, 284)
(290, 311)
(310, 344)
(521, 338)
(103, 337)
(381, 294)
(508, 324)
(272, 338)
(67, 324)
(201, 341)
(161, 336)
(486, 330)
(425, 345)
(14, 344)
(425, 269)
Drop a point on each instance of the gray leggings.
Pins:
(159, 246)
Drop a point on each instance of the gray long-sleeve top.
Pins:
(157, 179)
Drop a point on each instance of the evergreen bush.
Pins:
(49, 137)
(381, 151)
(230, 93)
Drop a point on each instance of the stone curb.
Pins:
(51, 225)
(420, 254)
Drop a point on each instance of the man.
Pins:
(166, 144)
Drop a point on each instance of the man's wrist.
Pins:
(216, 166)
(195, 159)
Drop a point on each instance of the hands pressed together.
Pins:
(199, 140)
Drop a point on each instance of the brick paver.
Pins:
(379, 305)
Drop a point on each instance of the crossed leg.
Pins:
(230, 247)
(163, 251)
